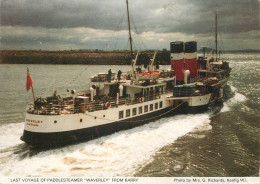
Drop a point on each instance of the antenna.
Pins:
(129, 27)
(216, 32)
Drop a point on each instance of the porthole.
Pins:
(104, 116)
(80, 120)
(55, 121)
(95, 117)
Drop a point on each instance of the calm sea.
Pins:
(223, 144)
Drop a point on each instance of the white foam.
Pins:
(225, 108)
(10, 134)
(237, 98)
(233, 89)
(119, 154)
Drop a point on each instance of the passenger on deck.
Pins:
(119, 75)
(56, 98)
(105, 100)
(109, 75)
(138, 70)
(55, 94)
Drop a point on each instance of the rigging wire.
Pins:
(221, 40)
(75, 78)
(79, 75)
(209, 43)
(143, 46)
(118, 28)
(134, 46)
(223, 49)
(55, 87)
(126, 45)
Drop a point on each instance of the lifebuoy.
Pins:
(107, 105)
(141, 100)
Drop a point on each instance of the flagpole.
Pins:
(33, 95)
(31, 86)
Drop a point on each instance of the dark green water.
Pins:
(232, 147)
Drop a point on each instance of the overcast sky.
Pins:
(102, 24)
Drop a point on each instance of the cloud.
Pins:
(17, 37)
(59, 39)
(159, 16)
(58, 24)
(60, 14)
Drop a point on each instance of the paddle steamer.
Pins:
(112, 103)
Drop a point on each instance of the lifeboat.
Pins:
(151, 75)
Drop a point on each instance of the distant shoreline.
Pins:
(84, 57)
(77, 57)
(64, 57)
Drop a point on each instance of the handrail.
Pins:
(69, 107)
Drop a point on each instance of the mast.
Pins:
(216, 33)
(129, 27)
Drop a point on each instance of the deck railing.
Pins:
(70, 107)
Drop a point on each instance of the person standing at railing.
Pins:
(76, 105)
(109, 75)
(119, 75)
(55, 94)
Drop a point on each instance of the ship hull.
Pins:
(196, 104)
(56, 139)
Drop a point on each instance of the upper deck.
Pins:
(104, 93)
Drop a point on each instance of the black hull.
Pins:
(197, 109)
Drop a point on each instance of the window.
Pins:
(146, 108)
(151, 107)
(133, 111)
(161, 104)
(156, 105)
(128, 113)
(121, 114)
(141, 110)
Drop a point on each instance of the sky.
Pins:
(102, 24)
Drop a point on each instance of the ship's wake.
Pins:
(236, 98)
(115, 155)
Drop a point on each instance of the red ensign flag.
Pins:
(29, 81)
